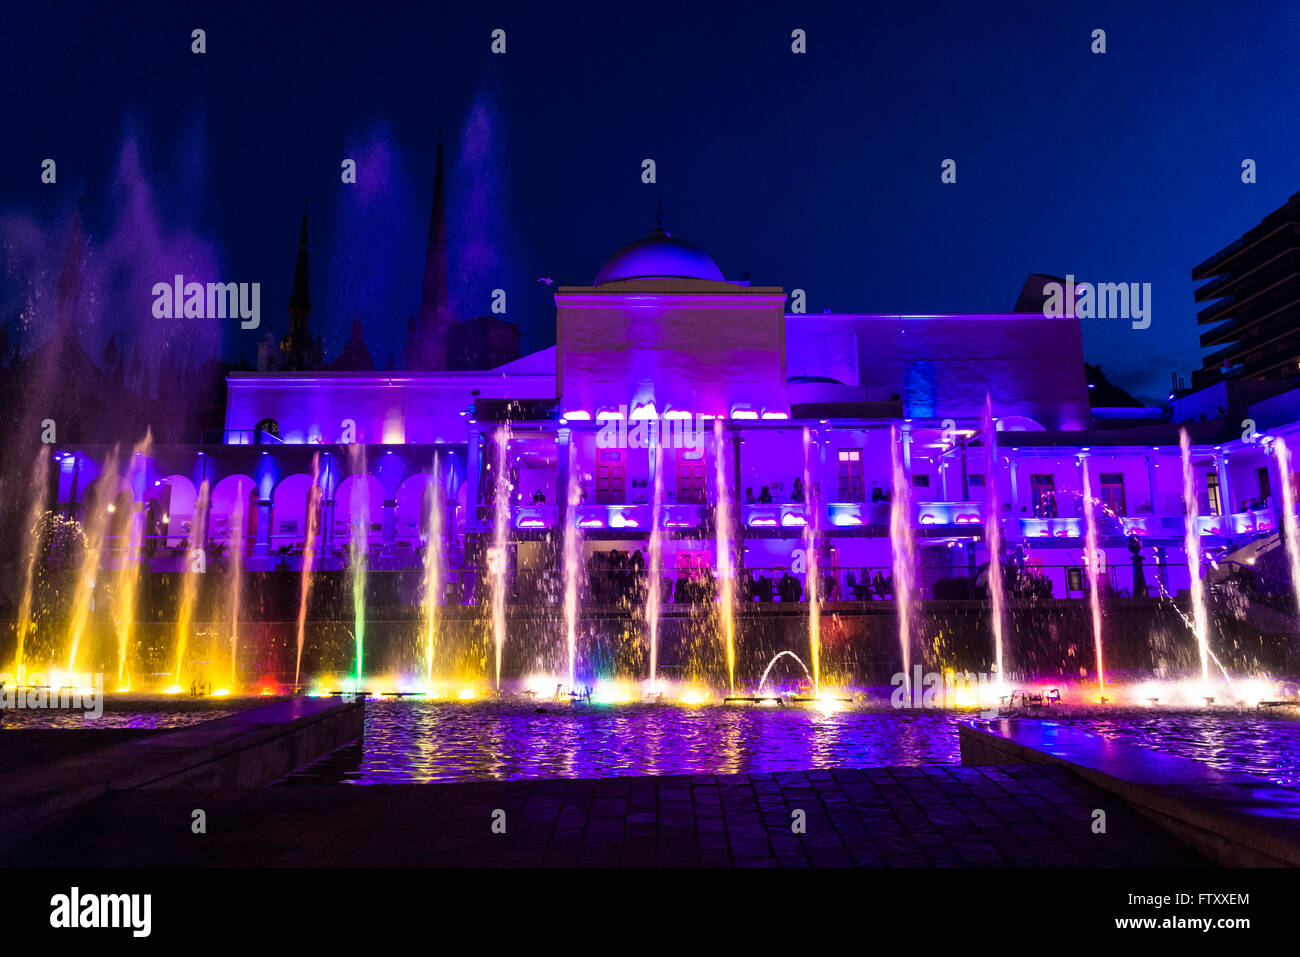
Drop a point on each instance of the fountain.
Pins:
(39, 486)
(195, 565)
(1192, 546)
(432, 570)
(726, 567)
(777, 657)
(903, 547)
(1289, 531)
(572, 568)
(237, 545)
(653, 594)
(98, 513)
(126, 582)
(497, 557)
(993, 539)
(359, 553)
(1092, 563)
(811, 510)
(308, 559)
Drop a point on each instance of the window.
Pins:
(1212, 491)
(692, 564)
(1112, 492)
(975, 480)
(920, 481)
(690, 479)
(852, 488)
(611, 474)
(1042, 492)
(1265, 488)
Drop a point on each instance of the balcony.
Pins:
(946, 514)
(536, 516)
(857, 514)
(1253, 522)
(1051, 527)
(849, 515)
(793, 515)
(631, 517)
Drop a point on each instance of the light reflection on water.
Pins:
(422, 741)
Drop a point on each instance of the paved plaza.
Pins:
(939, 816)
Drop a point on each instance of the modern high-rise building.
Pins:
(1254, 318)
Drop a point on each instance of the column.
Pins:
(965, 474)
(1225, 490)
(390, 526)
(262, 547)
(1154, 487)
(563, 465)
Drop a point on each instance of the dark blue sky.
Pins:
(818, 171)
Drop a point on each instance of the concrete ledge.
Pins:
(1234, 819)
(249, 749)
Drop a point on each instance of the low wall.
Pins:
(249, 749)
(1234, 819)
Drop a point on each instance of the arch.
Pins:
(289, 520)
(266, 426)
(176, 497)
(1018, 423)
(358, 500)
(228, 506)
(413, 506)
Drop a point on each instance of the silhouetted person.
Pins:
(879, 585)
(749, 496)
(796, 493)
(765, 496)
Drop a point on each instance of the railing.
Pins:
(239, 437)
(948, 513)
(624, 581)
(536, 516)
(773, 515)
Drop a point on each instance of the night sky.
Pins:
(819, 171)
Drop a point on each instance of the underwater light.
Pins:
(466, 694)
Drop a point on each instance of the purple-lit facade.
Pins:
(662, 338)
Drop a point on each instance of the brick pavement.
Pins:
(939, 816)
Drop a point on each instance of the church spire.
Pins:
(69, 298)
(297, 346)
(300, 299)
(433, 301)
